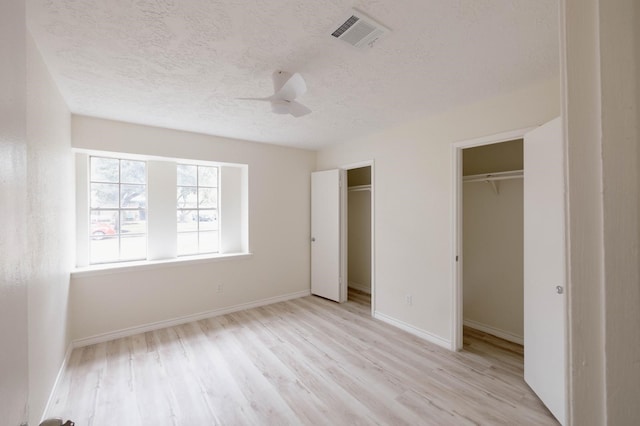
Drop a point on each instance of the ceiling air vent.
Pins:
(359, 30)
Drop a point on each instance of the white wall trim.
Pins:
(497, 138)
(56, 383)
(511, 337)
(130, 331)
(358, 165)
(361, 287)
(429, 337)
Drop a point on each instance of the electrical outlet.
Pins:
(220, 288)
(408, 299)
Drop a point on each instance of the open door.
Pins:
(544, 267)
(327, 277)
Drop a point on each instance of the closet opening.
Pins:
(492, 239)
(508, 264)
(492, 243)
(359, 235)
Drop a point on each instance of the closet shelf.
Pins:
(493, 178)
(360, 188)
(487, 177)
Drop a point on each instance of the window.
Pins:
(118, 226)
(134, 207)
(197, 204)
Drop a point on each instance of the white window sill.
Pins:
(141, 265)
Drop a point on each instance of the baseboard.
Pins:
(56, 383)
(361, 287)
(494, 331)
(126, 332)
(429, 337)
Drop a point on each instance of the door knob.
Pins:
(313, 239)
(559, 289)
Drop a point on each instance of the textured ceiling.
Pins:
(182, 64)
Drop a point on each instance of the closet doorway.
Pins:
(501, 157)
(495, 253)
(359, 234)
(492, 240)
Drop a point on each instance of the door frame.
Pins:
(344, 231)
(457, 319)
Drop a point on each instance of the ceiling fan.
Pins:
(287, 88)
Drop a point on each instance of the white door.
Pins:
(326, 204)
(544, 266)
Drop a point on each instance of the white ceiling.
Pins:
(182, 63)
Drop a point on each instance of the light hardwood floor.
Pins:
(305, 361)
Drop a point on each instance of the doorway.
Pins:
(359, 232)
(458, 206)
(330, 229)
(492, 240)
(543, 241)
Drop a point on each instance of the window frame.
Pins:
(198, 209)
(117, 210)
(161, 231)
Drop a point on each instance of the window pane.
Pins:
(104, 195)
(187, 220)
(132, 171)
(133, 247)
(187, 243)
(208, 197)
(104, 169)
(209, 242)
(133, 196)
(187, 175)
(133, 222)
(187, 197)
(208, 220)
(118, 210)
(104, 224)
(207, 176)
(103, 249)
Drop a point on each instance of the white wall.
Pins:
(602, 103)
(279, 223)
(414, 196)
(493, 256)
(13, 215)
(620, 73)
(50, 228)
(231, 199)
(162, 227)
(495, 157)
(36, 216)
(584, 181)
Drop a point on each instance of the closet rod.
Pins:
(360, 188)
(488, 177)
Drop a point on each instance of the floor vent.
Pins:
(359, 30)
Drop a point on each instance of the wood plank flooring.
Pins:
(307, 361)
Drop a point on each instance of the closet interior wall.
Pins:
(493, 240)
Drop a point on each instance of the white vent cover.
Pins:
(359, 30)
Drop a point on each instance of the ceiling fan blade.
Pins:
(280, 107)
(297, 109)
(292, 88)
